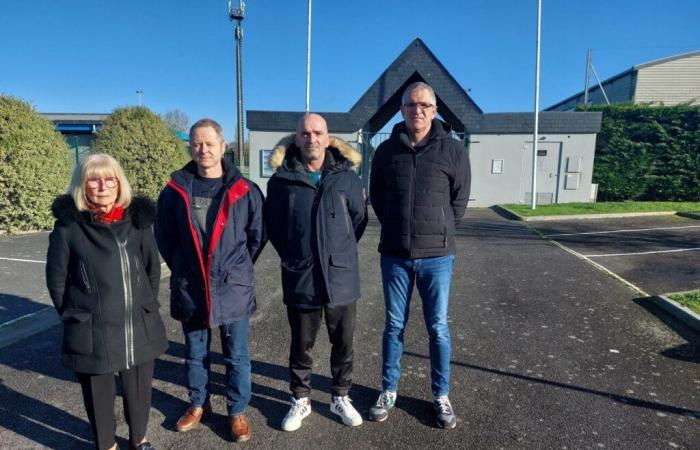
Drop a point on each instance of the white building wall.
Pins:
(564, 174)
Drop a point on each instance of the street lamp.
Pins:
(139, 92)
(237, 15)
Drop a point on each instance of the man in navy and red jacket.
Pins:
(210, 232)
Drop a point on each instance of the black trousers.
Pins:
(99, 392)
(304, 324)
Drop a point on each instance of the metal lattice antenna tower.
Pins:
(237, 15)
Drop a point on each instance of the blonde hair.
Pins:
(98, 165)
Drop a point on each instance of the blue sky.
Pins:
(92, 55)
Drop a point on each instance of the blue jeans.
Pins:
(234, 343)
(432, 277)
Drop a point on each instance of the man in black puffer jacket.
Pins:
(315, 213)
(419, 188)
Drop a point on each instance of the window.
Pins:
(496, 166)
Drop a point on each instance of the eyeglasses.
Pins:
(109, 182)
(420, 105)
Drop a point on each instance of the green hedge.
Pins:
(145, 147)
(35, 167)
(648, 153)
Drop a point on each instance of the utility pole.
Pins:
(308, 59)
(237, 15)
(537, 106)
(588, 73)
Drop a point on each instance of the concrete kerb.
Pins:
(38, 321)
(678, 311)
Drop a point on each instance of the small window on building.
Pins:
(496, 166)
(265, 168)
(541, 152)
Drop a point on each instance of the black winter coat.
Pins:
(315, 230)
(103, 280)
(216, 287)
(419, 195)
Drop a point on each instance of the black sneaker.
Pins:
(444, 415)
(380, 410)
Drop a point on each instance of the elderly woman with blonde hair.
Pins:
(103, 273)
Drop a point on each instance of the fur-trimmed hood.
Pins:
(142, 211)
(341, 149)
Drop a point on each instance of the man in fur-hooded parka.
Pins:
(315, 214)
(86, 279)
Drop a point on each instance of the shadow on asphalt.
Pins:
(50, 426)
(615, 397)
(690, 351)
(13, 306)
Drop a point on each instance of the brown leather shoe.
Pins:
(240, 428)
(192, 417)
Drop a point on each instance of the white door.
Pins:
(548, 170)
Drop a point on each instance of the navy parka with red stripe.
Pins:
(215, 286)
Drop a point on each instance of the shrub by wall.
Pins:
(648, 153)
(35, 167)
(145, 147)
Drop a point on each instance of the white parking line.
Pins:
(23, 260)
(644, 253)
(621, 231)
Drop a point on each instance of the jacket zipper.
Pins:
(86, 279)
(128, 303)
(413, 200)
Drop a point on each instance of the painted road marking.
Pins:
(644, 253)
(23, 260)
(620, 231)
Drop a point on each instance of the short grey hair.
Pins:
(206, 122)
(415, 86)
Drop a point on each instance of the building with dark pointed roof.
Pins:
(498, 143)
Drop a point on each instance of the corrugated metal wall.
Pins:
(672, 82)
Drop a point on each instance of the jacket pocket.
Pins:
(298, 280)
(182, 305)
(343, 278)
(77, 332)
(84, 278)
(155, 329)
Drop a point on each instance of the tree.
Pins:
(145, 147)
(177, 120)
(35, 167)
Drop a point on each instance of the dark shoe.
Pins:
(444, 414)
(240, 428)
(145, 446)
(192, 417)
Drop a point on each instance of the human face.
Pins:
(312, 139)
(418, 119)
(102, 191)
(207, 149)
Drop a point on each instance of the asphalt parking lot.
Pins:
(547, 352)
(657, 254)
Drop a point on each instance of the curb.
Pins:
(597, 216)
(27, 325)
(678, 311)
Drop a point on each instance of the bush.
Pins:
(35, 167)
(145, 147)
(648, 153)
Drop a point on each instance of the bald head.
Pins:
(312, 139)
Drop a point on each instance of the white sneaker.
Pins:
(301, 408)
(342, 406)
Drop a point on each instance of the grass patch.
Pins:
(690, 300)
(564, 209)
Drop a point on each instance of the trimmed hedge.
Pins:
(145, 147)
(35, 167)
(648, 153)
